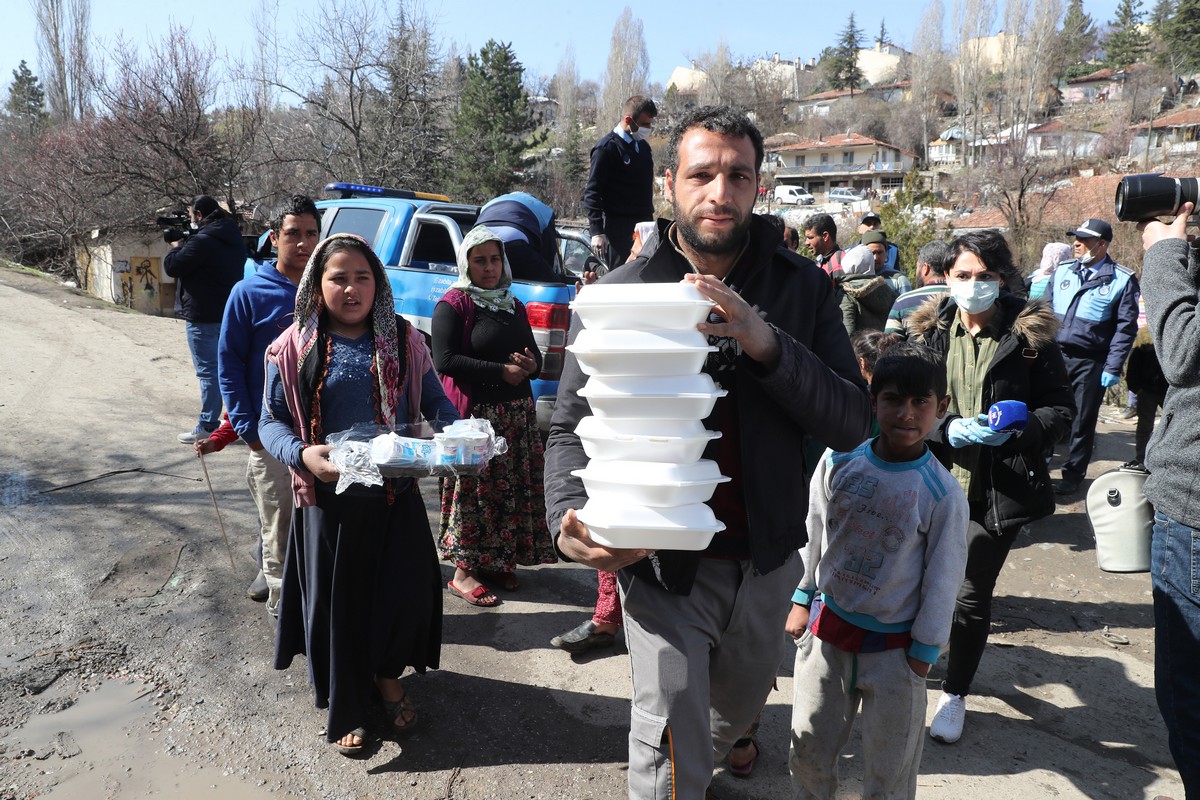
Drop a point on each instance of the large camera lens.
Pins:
(1141, 197)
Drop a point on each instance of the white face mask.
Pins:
(641, 134)
(974, 297)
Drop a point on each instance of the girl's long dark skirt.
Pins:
(361, 597)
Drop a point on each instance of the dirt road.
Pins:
(132, 665)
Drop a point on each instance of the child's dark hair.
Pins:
(912, 369)
(868, 344)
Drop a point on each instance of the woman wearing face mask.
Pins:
(997, 346)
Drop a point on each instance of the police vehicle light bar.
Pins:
(347, 190)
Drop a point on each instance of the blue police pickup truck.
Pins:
(416, 236)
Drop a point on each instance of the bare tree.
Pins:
(565, 172)
(972, 22)
(369, 78)
(628, 67)
(63, 33)
(161, 133)
(722, 76)
(1028, 61)
(929, 71)
(566, 90)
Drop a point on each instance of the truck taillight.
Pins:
(550, 322)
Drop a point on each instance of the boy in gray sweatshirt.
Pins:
(882, 568)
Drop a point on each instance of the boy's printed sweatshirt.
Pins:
(887, 545)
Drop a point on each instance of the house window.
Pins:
(799, 161)
(848, 157)
(824, 158)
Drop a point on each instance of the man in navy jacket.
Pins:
(620, 186)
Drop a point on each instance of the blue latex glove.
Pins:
(964, 431)
(1108, 380)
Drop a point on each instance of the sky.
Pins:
(540, 32)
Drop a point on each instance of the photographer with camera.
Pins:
(1171, 276)
(205, 266)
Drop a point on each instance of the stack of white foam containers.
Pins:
(646, 481)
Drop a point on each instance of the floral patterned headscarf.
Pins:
(310, 304)
(498, 299)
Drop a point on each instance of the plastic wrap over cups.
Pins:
(646, 481)
(366, 454)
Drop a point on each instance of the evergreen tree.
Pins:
(1077, 39)
(1126, 43)
(1179, 34)
(1160, 14)
(492, 124)
(26, 104)
(843, 69)
(905, 219)
(883, 37)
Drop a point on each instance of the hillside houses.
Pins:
(1173, 135)
(1102, 86)
(849, 159)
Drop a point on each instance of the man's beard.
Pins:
(717, 243)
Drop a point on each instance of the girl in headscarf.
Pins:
(483, 347)
(361, 595)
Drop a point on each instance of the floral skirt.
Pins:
(498, 520)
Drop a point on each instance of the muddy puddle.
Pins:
(103, 746)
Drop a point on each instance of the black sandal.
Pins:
(353, 750)
(401, 709)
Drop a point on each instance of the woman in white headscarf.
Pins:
(865, 297)
(483, 348)
(1053, 254)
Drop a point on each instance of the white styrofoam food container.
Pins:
(619, 352)
(653, 484)
(669, 397)
(665, 440)
(636, 426)
(689, 527)
(641, 306)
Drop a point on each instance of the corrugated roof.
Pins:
(1178, 119)
(839, 140)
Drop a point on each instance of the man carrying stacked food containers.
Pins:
(703, 626)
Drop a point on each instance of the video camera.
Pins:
(175, 227)
(1143, 197)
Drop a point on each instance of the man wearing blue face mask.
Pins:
(620, 185)
(1096, 300)
(997, 346)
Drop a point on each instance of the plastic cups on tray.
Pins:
(671, 397)
(643, 353)
(688, 527)
(641, 306)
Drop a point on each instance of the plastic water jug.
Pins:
(1121, 518)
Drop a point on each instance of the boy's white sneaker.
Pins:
(947, 725)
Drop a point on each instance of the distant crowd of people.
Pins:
(872, 531)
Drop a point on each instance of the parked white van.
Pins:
(793, 195)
